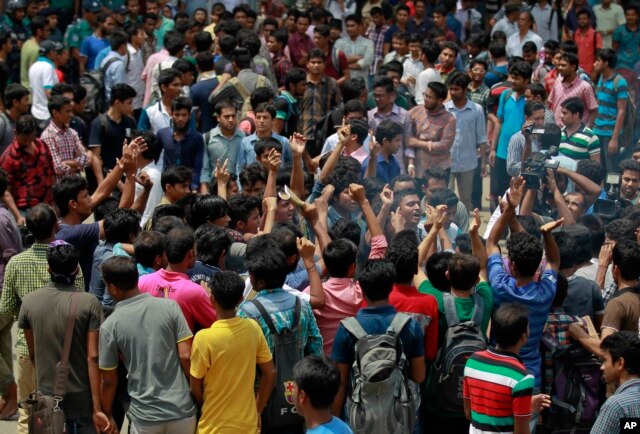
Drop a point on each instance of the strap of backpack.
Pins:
(3, 126)
(478, 309)
(240, 88)
(398, 323)
(265, 316)
(352, 325)
(60, 383)
(296, 316)
(262, 81)
(108, 64)
(450, 309)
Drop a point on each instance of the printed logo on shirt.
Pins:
(288, 392)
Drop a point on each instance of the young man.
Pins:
(498, 375)
(182, 145)
(96, 42)
(16, 104)
(509, 23)
(571, 85)
(612, 94)
(174, 283)
(401, 20)
(316, 384)
(524, 34)
(577, 141)
(448, 56)
(122, 337)
(440, 23)
(437, 179)
(300, 44)
(588, 40)
(29, 52)
(435, 131)
(472, 136)
(430, 55)
(400, 45)
(524, 144)
(359, 50)
(376, 32)
(233, 346)
(626, 37)
(276, 44)
(609, 16)
(42, 77)
(158, 115)
(525, 254)
(382, 163)
(110, 130)
(43, 317)
(244, 212)
(287, 103)
(630, 182)
(115, 63)
(335, 61)
(478, 91)
(212, 245)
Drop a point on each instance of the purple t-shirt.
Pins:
(85, 238)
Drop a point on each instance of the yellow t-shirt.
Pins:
(225, 356)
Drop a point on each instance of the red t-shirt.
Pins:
(331, 70)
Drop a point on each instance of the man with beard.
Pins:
(182, 145)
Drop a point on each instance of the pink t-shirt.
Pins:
(343, 298)
(191, 297)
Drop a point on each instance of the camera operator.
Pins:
(523, 143)
(630, 180)
(577, 141)
(548, 202)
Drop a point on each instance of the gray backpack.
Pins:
(461, 341)
(380, 401)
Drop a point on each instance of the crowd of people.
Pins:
(266, 216)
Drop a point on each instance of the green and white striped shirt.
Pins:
(581, 145)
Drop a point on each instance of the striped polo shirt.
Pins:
(499, 388)
(581, 145)
(608, 93)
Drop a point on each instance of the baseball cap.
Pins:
(121, 10)
(48, 46)
(46, 12)
(91, 6)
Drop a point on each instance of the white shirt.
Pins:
(155, 195)
(423, 80)
(506, 26)
(42, 76)
(134, 67)
(514, 43)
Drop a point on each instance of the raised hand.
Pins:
(548, 227)
(144, 180)
(269, 204)
(297, 142)
(397, 221)
(475, 222)
(356, 192)
(310, 212)
(344, 132)
(439, 216)
(386, 195)
(306, 248)
(322, 202)
(515, 192)
(222, 173)
(274, 160)
(374, 146)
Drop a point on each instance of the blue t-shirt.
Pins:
(628, 42)
(375, 321)
(536, 296)
(334, 426)
(511, 114)
(90, 48)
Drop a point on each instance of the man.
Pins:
(42, 77)
(149, 22)
(266, 116)
(430, 55)
(135, 64)
(569, 85)
(523, 35)
(26, 273)
(630, 182)
(80, 30)
(546, 18)
(276, 43)
(435, 131)
(147, 163)
(109, 130)
(43, 317)
(401, 21)
(163, 26)
(13, 25)
(609, 16)
(385, 94)
(200, 91)
(376, 31)
(122, 337)
(181, 144)
(68, 154)
(335, 61)
(508, 24)
(589, 41)
(95, 43)
(158, 115)
(447, 58)
(571, 17)
(300, 44)
(241, 61)
(359, 50)
(222, 144)
(478, 91)
(39, 27)
(321, 96)
(470, 136)
(28, 166)
(508, 121)
(400, 45)
(536, 92)
(173, 49)
(438, 179)
(521, 145)
(612, 95)
(578, 141)
(16, 104)
(440, 22)
(287, 103)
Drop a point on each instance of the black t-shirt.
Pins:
(110, 135)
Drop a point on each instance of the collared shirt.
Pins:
(134, 66)
(511, 114)
(280, 307)
(515, 43)
(376, 34)
(90, 48)
(167, 24)
(577, 88)
(247, 154)
(30, 176)
(506, 26)
(297, 44)
(42, 76)
(154, 118)
(25, 273)
(393, 55)
(187, 151)
(608, 93)
(628, 42)
(319, 99)
(220, 148)
(588, 43)
(514, 153)
(546, 19)
(412, 67)
(76, 33)
(581, 145)
(438, 128)
(360, 47)
(622, 404)
(399, 116)
(480, 96)
(471, 131)
(465, 15)
(607, 19)
(64, 144)
(386, 169)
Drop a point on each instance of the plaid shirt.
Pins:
(280, 304)
(609, 292)
(64, 144)
(577, 88)
(557, 331)
(376, 35)
(319, 99)
(624, 403)
(25, 273)
(439, 128)
(480, 96)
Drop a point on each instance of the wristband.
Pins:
(411, 165)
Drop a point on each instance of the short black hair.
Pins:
(261, 95)
(439, 89)
(251, 174)
(521, 69)
(451, 46)
(352, 88)
(147, 246)
(266, 145)
(404, 257)
(204, 60)
(166, 76)
(347, 229)
(227, 44)
(388, 129)
(562, 288)
(207, 208)
(590, 169)
(319, 378)
(294, 76)
(63, 262)
(339, 255)
(583, 241)
(121, 225)
(530, 225)
(463, 271)
(570, 58)
(385, 82)
(620, 229)
(26, 124)
(175, 175)
(178, 243)
(537, 89)
(525, 251)
(211, 242)
(241, 57)
(14, 92)
(173, 42)
(240, 206)
(181, 103)
(203, 41)
(154, 149)
(376, 278)
(61, 89)
(120, 271)
(573, 105)
(530, 47)
(117, 39)
(629, 164)
(566, 245)
(227, 288)
(67, 189)
(459, 79)
(41, 221)
(436, 268)
(121, 92)
(626, 256)
(625, 345)
(497, 49)
(509, 323)
(266, 264)
(609, 56)
(57, 102)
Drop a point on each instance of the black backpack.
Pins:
(93, 82)
(280, 410)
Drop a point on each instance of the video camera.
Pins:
(610, 207)
(534, 170)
